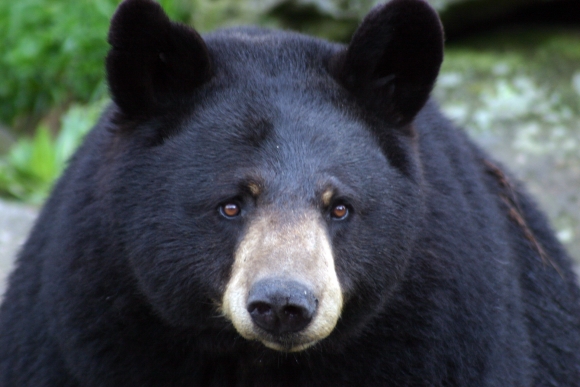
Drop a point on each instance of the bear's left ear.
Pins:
(153, 62)
(393, 59)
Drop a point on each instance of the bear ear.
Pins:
(393, 59)
(152, 62)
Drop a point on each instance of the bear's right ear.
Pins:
(393, 59)
(153, 62)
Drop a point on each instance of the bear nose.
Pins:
(281, 306)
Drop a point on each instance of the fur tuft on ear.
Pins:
(153, 61)
(393, 59)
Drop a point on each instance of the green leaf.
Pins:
(42, 160)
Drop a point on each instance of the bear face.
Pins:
(264, 131)
(286, 176)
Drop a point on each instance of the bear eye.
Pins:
(230, 210)
(339, 212)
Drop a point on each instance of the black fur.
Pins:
(119, 281)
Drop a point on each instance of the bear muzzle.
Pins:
(283, 289)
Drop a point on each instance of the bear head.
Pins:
(266, 184)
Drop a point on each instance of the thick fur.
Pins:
(450, 276)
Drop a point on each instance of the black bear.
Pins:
(261, 208)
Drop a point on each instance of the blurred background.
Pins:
(511, 78)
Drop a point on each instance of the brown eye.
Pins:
(339, 212)
(230, 210)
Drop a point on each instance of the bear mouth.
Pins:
(286, 343)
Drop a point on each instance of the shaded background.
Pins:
(511, 78)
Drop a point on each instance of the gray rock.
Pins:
(16, 220)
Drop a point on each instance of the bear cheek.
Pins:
(287, 254)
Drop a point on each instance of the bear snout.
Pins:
(283, 289)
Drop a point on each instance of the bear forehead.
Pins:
(253, 50)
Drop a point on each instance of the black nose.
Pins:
(281, 306)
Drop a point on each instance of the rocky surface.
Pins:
(15, 223)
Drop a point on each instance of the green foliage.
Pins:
(29, 169)
(53, 52)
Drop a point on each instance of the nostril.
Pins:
(263, 315)
(293, 312)
(259, 308)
